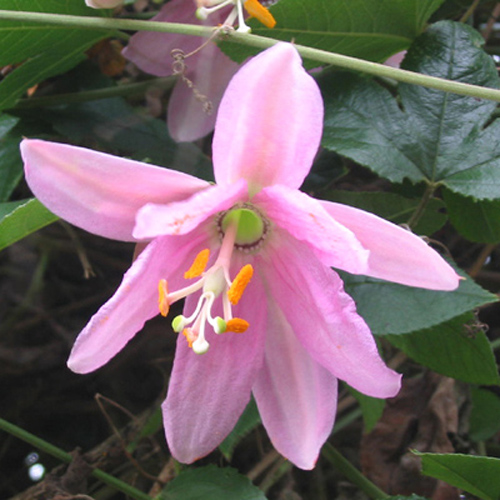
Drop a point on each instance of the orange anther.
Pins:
(163, 304)
(237, 325)
(239, 284)
(190, 336)
(255, 9)
(199, 265)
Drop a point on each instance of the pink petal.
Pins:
(208, 392)
(98, 192)
(187, 120)
(305, 219)
(184, 216)
(324, 319)
(135, 301)
(297, 398)
(396, 59)
(395, 253)
(270, 122)
(151, 51)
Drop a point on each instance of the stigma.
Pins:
(253, 7)
(214, 283)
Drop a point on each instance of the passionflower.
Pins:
(208, 68)
(264, 313)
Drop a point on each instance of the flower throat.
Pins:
(242, 228)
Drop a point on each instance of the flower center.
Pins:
(253, 7)
(252, 226)
(215, 283)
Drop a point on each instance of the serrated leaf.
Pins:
(475, 220)
(41, 50)
(246, 423)
(443, 121)
(211, 483)
(436, 137)
(364, 123)
(359, 28)
(477, 475)
(484, 422)
(393, 207)
(456, 348)
(389, 308)
(19, 219)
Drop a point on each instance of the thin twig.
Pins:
(99, 398)
(481, 259)
(469, 11)
(491, 22)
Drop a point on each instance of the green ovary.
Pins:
(250, 225)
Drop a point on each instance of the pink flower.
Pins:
(209, 69)
(302, 329)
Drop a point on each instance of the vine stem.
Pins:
(62, 455)
(321, 56)
(351, 473)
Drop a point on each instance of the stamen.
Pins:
(200, 345)
(163, 304)
(198, 266)
(190, 336)
(218, 324)
(203, 11)
(242, 27)
(255, 9)
(237, 325)
(179, 323)
(239, 284)
(215, 283)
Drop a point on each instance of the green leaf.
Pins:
(393, 207)
(484, 422)
(7, 123)
(443, 121)
(457, 348)
(211, 483)
(364, 123)
(246, 423)
(11, 166)
(114, 125)
(477, 475)
(371, 408)
(10, 160)
(22, 40)
(475, 220)
(42, 50)
(356, 28)
(389, 308)
(21, 218)
(436, 137)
